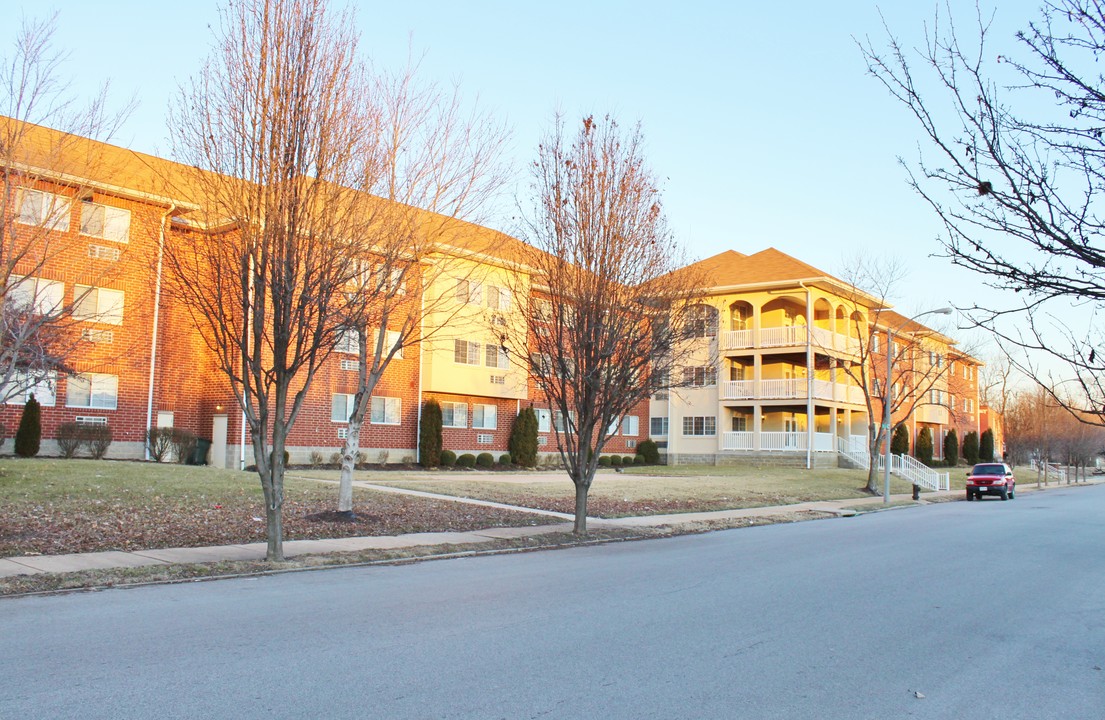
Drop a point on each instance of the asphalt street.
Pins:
(960, 610)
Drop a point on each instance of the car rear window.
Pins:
(988, 470)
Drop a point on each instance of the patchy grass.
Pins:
(650, 490)
(52, 506)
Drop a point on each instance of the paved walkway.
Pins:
(34, 564)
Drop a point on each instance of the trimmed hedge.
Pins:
(429, 435)
(649, 451)
(505, 460)
(466, 460)
(448, 458)
(28, 438)
(485, 460)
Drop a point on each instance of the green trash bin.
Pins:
(199, 454)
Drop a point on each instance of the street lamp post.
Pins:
(888, 396)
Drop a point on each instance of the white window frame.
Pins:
(348, 342)
(501, 357)
(386, 410)
(43, 297)
(708, 426)
(52, 215)
(558, 421)
(485, 417)
(44, 389)
(663, 422)
(97, 304)
(454, 414)
(469, 349)
(391, 337)
(341, 415)
(498, 298)
(631, 425)
(101, 385)
(544, 420)
(469, 292)
(115, 223)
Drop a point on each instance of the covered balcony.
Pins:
(790, 389)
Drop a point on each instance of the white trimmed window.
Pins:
(98, 304)
(466, 352)
(341, 407)
(558, 421)
(454, 414)
(104, 221)
(44, 209)
(631, 425)
(658, 427)
(496, 356)
(92, 390)
(469, 292)
(348, 341)
(386, 410)
(699, 376)
(22, 386)
(484, 417)
(498, 298)
(544, 420)
(391, 338)
(43, 297)
(700, 425)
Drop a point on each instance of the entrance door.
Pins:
(790, 427)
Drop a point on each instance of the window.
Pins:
(658, 426)
(391, 338)
(347, 364)
(102, 252)
(558, 421)
(46, 209)
(484, 417)
(105, 222)
(544, 420)
(92, 390)
(22, 386)
(630, 425)
(466, 352)
(496, 356)
(341, 407)
(874, 342)
(386, 410)
(454, 415)
(702, 321)
(699, 376)
(42, 297)
(740, 423)
(348, 341)
(469, 292)
(498, 298)
(98, 304)
(105, 337)
(701, 425)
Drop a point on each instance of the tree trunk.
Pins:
(348, 462)
(581, 509)
(274, 522)
(873, 466)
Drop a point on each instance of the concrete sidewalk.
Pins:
(35, 564)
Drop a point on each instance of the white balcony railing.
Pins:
(789, 336)
(736, 441)
(789, 388)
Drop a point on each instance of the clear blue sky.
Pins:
(760, 115)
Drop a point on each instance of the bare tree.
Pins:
(275, 125)
(606, 309)
(919, 366)
(434, 163)
(43, 174)
(1013, 167)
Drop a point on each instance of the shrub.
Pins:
(316, 458)
(505, 460)
(627, 459)
(97, 438)
(951, 448)
(3, 434)
(649, 451)
(485, 460)
(924, 446)
(184, 442)
(429, 435)
(604, 461)
(28, 438)
(159, 441)
(361, 458)
(986, 446)
(523, 438)
(466, 460)
(970, 447)
(448, 458)
(639, 460)
(615, 460)
(69, 439)
(899, 443)
(335, 458)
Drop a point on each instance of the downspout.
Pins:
(421, 354)
(809, 376)
(156, 318)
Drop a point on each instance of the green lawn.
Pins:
(644, 490)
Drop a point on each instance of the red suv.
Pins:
(991, 479)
